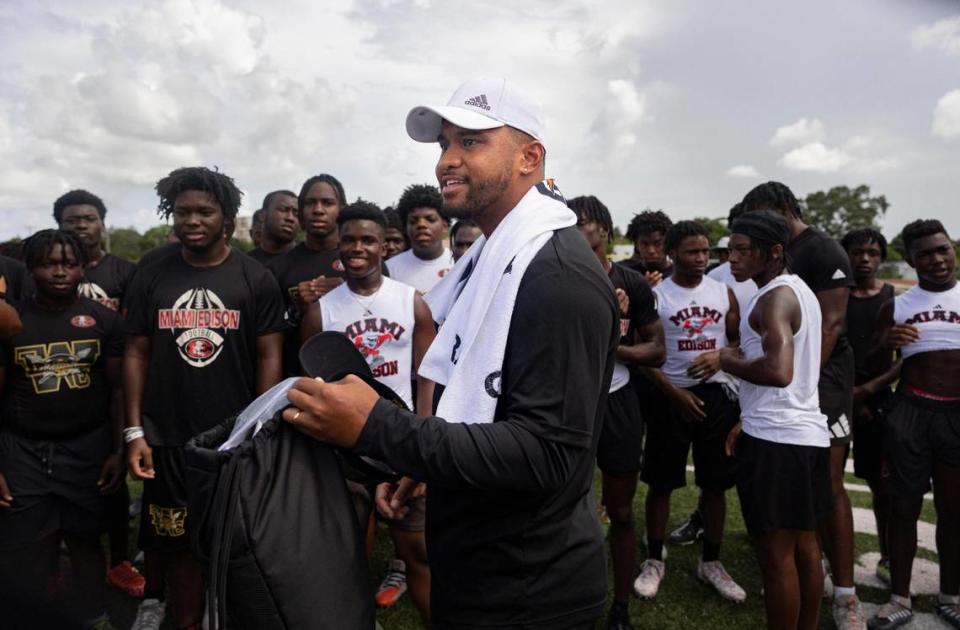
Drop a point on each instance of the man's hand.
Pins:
(110, 475)
(653, 277)
(5, 497)
(392, 498)
(704, 366)
(623, 300)
(310, 291)
(730, 445)
(687, 404)
(331, 412)
(902, 334)
(140, 459)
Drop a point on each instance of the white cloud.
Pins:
(803, 131)
(817, 157)
(742, 170)
(946, 116)
(943, 34)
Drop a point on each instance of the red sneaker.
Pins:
(125, 577)
(394, 585)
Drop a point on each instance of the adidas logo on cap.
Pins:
(478, 101)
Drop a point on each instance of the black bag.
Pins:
(275, 526)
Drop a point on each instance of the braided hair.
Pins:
(325, 178)
(772, 196)
(588, 208)
(37, 247)
(217, 184)
(648, 222)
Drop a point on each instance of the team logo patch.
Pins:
(83, 321)
(371, 337)
(204, 320)
(693, 320)
(492, 384)
(168, 521)
(337, 265)
(95, 292)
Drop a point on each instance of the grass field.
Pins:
(683, 601)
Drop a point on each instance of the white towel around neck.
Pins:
(474, 306)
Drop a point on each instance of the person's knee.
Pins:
(906, 508)
(620, 513)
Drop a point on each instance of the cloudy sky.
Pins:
(680, 105)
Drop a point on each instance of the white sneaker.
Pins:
(715, 575)
(847, 614)
(149, 615)
(648, 582)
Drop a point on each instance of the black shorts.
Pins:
(918, 433)
(782, 486)
(836, 395)
(54, 486)
(163, 510)
(620, 451)
(868, 437)
(669, 438)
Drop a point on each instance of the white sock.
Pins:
(904, 602)
(844, 591)
(949, 599)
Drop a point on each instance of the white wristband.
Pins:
(132, 433)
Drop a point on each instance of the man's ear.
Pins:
(532, 157)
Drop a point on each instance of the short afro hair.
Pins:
(462, 223)
(865, 236)
(200, 178)
(393, 221)
(920, 228)
(420, 196)
(38, 246)
(270, 196)
(361, 210)
(648, 222)
(681, 230)
(77, 197)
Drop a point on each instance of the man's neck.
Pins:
(367, 285)
(797, 227)
(866, 285)
(937, 288)
(686, 279)
(322, 242)
(94, 255)
(769, 274)
(210, 257)
(272, 246)
(490, 217)
(434, 252)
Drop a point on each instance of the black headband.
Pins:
(765, 226)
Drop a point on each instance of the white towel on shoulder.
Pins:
(474, 305)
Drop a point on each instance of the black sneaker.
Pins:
(619, 618)
(950, 613)
(688, 533)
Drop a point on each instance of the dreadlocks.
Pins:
(865, 236)
(648, 222)
(325, 178)
(37, 247)
(215, 183)
(681, 230)
(588, 208)
(734, 214)
(420, 196)
(772, 196)
(920, 228)
(77, 198)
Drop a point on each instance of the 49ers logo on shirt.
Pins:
(693, 320)
(200, 313)
(369, 336)
(94, 291)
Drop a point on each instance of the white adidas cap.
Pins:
(478, 104)
(722, 243)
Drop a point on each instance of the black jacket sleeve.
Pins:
(555, 375)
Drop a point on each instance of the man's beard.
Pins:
(481, 197)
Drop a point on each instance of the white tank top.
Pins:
(381, 327)
(935, 314)
(694, 322)
(791, 414)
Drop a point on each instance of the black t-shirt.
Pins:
(203, 323)
(643, 303)
(56, 385)
(635, 264)
(15, 281)
(107, 282)
(301, 264)
(160, 252)
(861, 326)
(822, 264)
(262, 256)
(512, 533)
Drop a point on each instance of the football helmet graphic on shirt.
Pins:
(200, 314)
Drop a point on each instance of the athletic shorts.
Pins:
(620, 451)
(54, 486)
(868, 437)
(782, 486)
(836, 395)
(918, 433)
(163, 511)
(670, 437)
